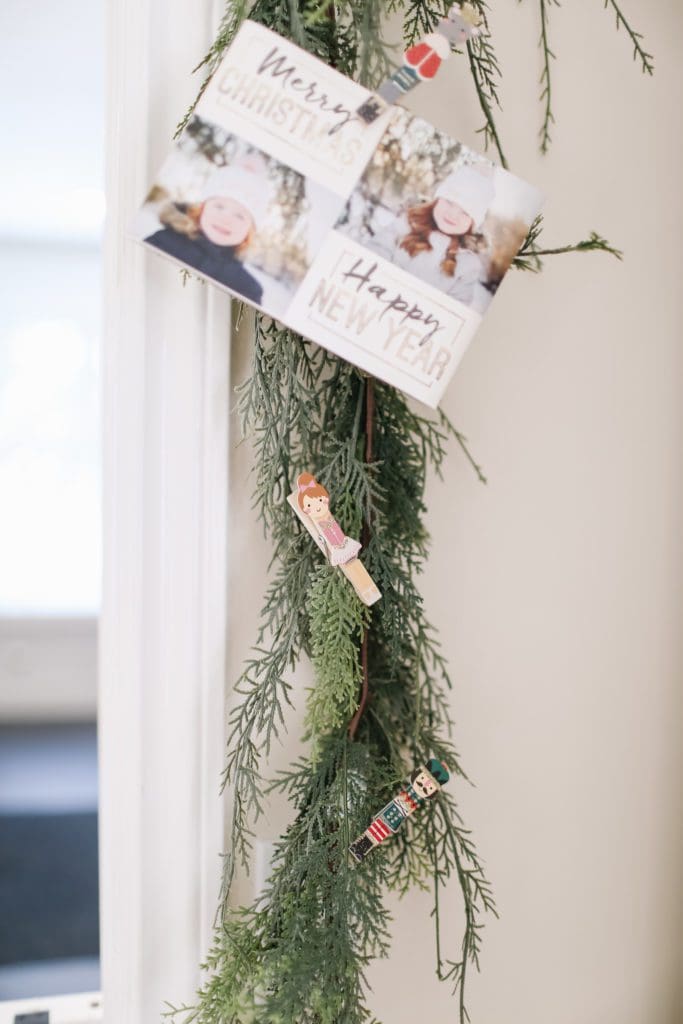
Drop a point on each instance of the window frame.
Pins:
(162, 651)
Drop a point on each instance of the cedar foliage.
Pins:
(299, 953)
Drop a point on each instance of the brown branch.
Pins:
(365, 683)
(364, 691)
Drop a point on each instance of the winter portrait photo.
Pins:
(235, 215)
(439, 211)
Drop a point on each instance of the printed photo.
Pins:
(439, 211)
(236, 215)
(382, 242)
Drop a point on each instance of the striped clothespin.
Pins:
(423, 785)
(422, 61)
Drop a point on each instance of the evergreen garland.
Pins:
(299, 953)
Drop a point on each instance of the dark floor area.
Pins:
(49, 918)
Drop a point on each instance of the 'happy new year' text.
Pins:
(392, 302)
(359, 311)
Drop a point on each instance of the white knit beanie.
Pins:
(472, 191)
(245, 183)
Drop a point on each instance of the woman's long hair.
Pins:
(421, 222)
(184, 218)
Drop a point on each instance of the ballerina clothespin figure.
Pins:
(423, 785)
(311, 502)
(423, 60)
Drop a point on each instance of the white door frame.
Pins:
(165, 459)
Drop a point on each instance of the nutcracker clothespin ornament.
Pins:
(311, 503)
(423, 785)
(422, 61)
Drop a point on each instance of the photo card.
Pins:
(384, 242)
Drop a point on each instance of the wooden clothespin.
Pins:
(423, 785)
(422, 61)
(311, 503)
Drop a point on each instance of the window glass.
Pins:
(51, 216)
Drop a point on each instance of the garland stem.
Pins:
(365, 684)
(364, 691)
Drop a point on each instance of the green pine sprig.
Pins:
(546, 81)
(530, 257)
(647, 63)
(337, 622)
(300, 952)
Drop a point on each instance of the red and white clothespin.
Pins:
(422, 61)
(424, 784)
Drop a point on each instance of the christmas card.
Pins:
(385, 242)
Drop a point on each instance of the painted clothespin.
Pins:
(311, 503)
(423, 785)
(422, 61)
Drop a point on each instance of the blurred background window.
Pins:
(51, 217)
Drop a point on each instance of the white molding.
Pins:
(214, 506)
(162, 635)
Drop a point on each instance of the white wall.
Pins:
(557, 587)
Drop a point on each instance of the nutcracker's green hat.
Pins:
(438, 770)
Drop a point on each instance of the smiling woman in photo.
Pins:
(214, 234)
(440, 241)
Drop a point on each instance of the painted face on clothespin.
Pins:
(424, 784)
(461, 23)
(313, 498)
(316, 506)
